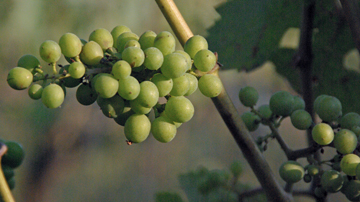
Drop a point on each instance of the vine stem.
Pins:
(5, 191)
(228, 112)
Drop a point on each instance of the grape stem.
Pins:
(5, 191)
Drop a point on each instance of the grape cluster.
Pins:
(338, 131)
(11, 160)
(125, 75)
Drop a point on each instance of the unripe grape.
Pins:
(322, 134)
(70, 45)
(251, 121)
(163, 84)
(111, 107)
(165, 42)
(137, 128)
(134, 56)
(318, 100)
(174, 65)
(299, 103)
(91, 53)
(138, 108)
(193, 84)
(210, 85)
(129, 88)
(301, 119)
(194, 44)
(85, 95)
(50, 51)
(349, 120)
(35, 91)
(52, 96)
(187, 56)
(348, 164)
(332, 181)
(356, 130)
(345, 141)
(8, 171)
(281, 103)
(313, 170)
(123, 39)
(28, 62)
(149, 94)
(329, 109)
(320, 192)
(121, 118)
(204, 60)
(77, 70)
(163, 129)
(265, 112)
(106, 85)
(103, 37)
(19, 78)
(248, 96)
(179, 109)
(307, 178)
(132, 43)
(69, 82)
(181, 86)
(117, 31)
(14, 156)
(121, 69)
(146, 40)
(153, 58)
(291, 171)
(352, 190)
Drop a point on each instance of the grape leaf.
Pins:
(249, 31)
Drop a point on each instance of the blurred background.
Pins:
(74, 153)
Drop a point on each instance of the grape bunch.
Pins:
(337, 131)
(125, 75)
(11, 160)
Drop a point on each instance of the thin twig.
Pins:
(5, 191)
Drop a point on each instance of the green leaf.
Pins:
(249, 31)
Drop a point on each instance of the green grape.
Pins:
(50, 51)
(352, 190)
(345, 141)
(28, 62)
(320, 192)
(174, 65)
(149, 94)
(11, 183)
(123, 39)
(177, 124)
(248, 96)
(313, 170)
(138, 108)
(299, 103)
(35, 91)
(121, 118)
(91, 53)
(137, 128)
(132, 43)
(117, 31)
(153, 58)
(134, 56)
(332, 181)
(14, 155)
(236, 168)
(348, 164)
(265, 112)
(103, 37)
(357, 171)
(106, 85)
(301, 119)
(163, 129)
(322, 134)
(349, 120)
(111, 107)
(179, 109)
(8, 171)
(307, 178)
(281, 103)
(19, 78)
(210, 85)
(147, 39)
(69, 82)
(251, 120)
(70, 45)
(52, 96)
(181, 86)
(187, 56)
(77, 70)
(329, 109)
(163, 84)
(204, 60)
(194, 44)
(85, 95)
(193, 84)
(121, 69)
(291, 171)
(165, 42)
(318, 100)
(356, 130)
(129, 88)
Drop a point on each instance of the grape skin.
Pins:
(121, 69)
(35, 91)
(348, 164)
(163, 84)
(163, 129)
(179, 109)
(52, 96)
(106, 85)
(210, 85)
(134, 56)
(77, 70)
(129, 88)
(248, 96)
(194, 44)
(70, 45)
(85, 95)
(322, 134)
(117, 31)
(147, 39)
(181, 86)
(28, 62)
(301, 119)
(19, 78)
(165, 42)
(91, 53)
(153, 58)
(193, 84)
(174, 65)
(282, 103)
(291, 171)
(50, 51)
(204, 60)
(345, 141)
(137, 128)
(103, 37)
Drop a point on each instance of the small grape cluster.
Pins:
(12, 159)
(126, 75)
(336, 130)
